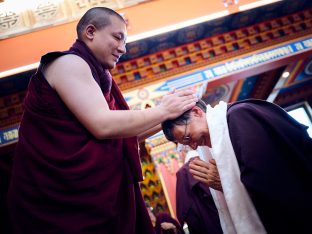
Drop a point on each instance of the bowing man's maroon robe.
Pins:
(166, 218)
(195, 204)
(274, 153)
(64, 179)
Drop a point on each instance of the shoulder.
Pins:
(68, 65)
(247, 104)
(253, 106)
(69, 61)
(244, 116)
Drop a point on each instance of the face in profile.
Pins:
(195, 131)
(109, 43)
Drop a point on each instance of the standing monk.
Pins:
(76, 166)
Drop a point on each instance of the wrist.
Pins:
(162, 113)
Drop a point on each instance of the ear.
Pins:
(90, 29)
(197, 112)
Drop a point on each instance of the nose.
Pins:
(122, 48)
(193, 145)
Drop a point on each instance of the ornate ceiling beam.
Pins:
(203, 53)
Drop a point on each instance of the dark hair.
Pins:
(168, 125)
(98, 16)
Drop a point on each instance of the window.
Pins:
(303, 114)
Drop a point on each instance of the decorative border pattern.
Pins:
(158, 66)
(16, 19)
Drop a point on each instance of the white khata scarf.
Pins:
(236, 210)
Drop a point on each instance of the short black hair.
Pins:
(98, 16)
(168, 125)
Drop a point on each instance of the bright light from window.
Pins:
(301, 116)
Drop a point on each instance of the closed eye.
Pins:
(120, 37)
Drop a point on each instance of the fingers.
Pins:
(189, 104)
(203, 180)
(201, 163)
(199, 168)
(185, 92)
(212, 161)
(181, 93)
(210, 181)
(200, 174)
(206, 173)
(176, 104)
(213, 176)
(184, 96)
(186, 100)
(213, 168)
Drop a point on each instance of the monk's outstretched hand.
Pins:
(206, 173)
(176, 103)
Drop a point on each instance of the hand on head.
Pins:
(175, 103)
(206, 173)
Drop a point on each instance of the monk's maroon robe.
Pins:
(274, 153)
(64, 180)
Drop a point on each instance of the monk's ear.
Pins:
(197, 112)
(90, 29)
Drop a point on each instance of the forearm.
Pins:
(127, 123)
(150, 132)
(120, 124)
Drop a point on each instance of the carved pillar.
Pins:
(166, 160)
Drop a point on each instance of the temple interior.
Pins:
(227, 50)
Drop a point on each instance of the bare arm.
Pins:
(72, 79)
(148, 133)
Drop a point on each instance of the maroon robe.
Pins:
(64, 180)
(274, 153)
(5, 175)
(195, 204)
